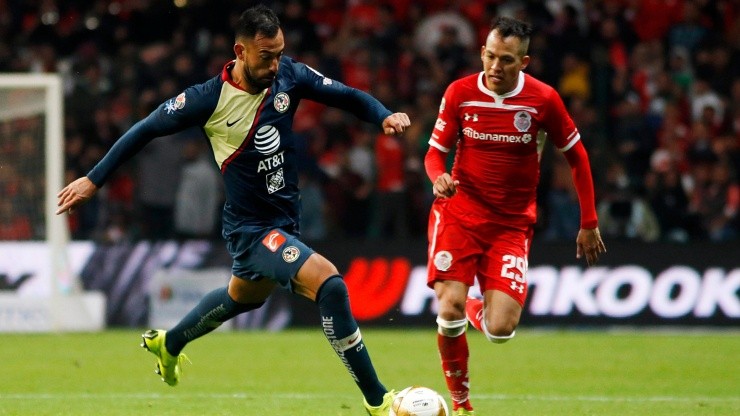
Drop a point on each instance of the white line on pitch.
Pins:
(311, 396)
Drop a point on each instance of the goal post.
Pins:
(32, 110)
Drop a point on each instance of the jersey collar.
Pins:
(226, 75)
(496, 97)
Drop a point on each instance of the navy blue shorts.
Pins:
(274, 254)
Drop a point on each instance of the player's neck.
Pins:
(237, 77)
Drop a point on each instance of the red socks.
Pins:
(474, 312)
(454, 355)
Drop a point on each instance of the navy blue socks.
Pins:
(344, 335)
(214, 309)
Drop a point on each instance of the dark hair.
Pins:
(259, 19)
(508, 26)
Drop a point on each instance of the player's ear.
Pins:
(525, 61)
(239, 50)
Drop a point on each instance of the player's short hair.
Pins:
(507, 26)
(256, 20)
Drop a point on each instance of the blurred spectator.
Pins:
(690, 30)
(717, 200)
(562, 204)
(392, 210)
(622, 213)
(669, 200)
(157, 178)
(13, 226)
(199, 193)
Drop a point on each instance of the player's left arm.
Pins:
(316, 87)
(565, 136)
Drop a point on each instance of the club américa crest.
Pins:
(281, 102)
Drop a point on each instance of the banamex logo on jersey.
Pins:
(267, 140)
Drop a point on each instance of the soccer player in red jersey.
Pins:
(481, 222)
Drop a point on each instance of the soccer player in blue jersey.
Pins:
(246, 113)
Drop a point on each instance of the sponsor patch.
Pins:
(267, 140)
(291, 254)
(275, 181)
(443, 260)
(281, 102)
(273, 240)
(522, 121)
(176, 104)
(440, 124)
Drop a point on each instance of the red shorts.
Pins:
(463, 247)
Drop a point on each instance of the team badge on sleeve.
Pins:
(522, 121)
(176, 104)
(291, 254)
(281, 102)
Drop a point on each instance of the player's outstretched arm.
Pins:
(75, 194)
(396, 123)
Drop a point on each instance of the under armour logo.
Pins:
(517, 287)
(457, 373)
(468, 117)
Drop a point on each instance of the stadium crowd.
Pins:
(653, 86)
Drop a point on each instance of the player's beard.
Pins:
(259, 83)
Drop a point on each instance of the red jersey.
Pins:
(497, 159)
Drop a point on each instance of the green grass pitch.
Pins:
(295, 372)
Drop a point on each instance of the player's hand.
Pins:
(396, 123)
(589, 243)
(444, 186)
(75, 194)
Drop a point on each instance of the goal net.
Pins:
(34, 242)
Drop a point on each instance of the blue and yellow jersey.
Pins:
(251, 136)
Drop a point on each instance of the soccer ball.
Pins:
(419, 401)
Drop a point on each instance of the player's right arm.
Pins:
(190, 108)
(443, 137)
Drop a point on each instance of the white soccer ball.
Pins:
(419, 401)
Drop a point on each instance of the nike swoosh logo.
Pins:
(229, 124)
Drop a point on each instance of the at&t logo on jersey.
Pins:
(267, 140)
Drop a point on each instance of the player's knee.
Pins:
(333, 290)
(451, 329)
(499, 332)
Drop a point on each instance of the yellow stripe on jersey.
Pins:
(231, 120)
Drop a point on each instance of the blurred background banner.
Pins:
(635, 285)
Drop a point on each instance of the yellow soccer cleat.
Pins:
(168, 367)
(464, 412)
(384, 408)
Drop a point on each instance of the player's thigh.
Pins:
(312, 275)
(276, 256)
(453, 252)
(250, 291)
(503, 267)
(502, 312)
(451, 296)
